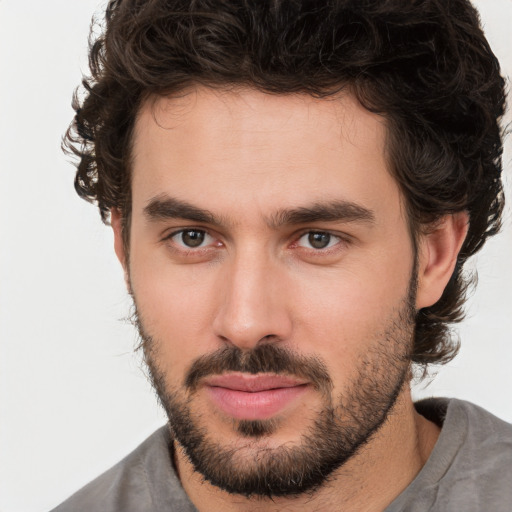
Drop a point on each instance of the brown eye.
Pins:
(193, 244)
(192, 237)
(319, 240)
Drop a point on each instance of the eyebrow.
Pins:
(165, 207)
(330, 211)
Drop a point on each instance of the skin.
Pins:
(246, 156)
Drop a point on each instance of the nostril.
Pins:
(270, 338)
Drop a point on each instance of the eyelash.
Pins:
(185, 250)
(332, 237)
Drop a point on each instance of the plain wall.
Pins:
(73, 398)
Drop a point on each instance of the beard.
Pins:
(250, 467)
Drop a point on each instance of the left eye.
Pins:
(192, 238)
(318, 240)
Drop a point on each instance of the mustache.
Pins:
(267, 358)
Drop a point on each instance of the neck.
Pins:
(370, 480)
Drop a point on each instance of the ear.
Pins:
(438, 251)
(117, 227)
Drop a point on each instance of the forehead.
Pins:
(227, 147)
(208, 114)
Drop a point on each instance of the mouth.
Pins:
(253, 397)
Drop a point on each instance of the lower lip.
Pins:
(259, 405)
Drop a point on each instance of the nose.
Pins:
(253, 306)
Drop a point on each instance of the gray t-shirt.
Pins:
(469, 470)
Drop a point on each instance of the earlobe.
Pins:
(438, 251)
(116, 223)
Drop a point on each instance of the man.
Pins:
(294, 188)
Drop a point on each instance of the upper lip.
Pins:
(253, 383)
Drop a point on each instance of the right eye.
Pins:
(191, 238)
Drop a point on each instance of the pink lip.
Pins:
(253, 397)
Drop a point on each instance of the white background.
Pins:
(73, 399)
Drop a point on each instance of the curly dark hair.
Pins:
(424, 65)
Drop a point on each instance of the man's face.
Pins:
(273, 274)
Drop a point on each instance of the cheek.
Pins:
(175, 307)
(344, 315)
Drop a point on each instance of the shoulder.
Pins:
(480, 433)
(469, 468)
(486, 446)
(452, 413)
(478, 477)
(480, 443)
(144, 481)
